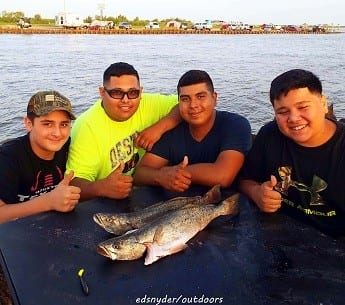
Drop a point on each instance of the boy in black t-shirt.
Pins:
(297, 161)
(32, 166)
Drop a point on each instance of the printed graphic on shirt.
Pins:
(44, 183)
(123, 150)
(317, 186)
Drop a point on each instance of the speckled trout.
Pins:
(168, 234)
(120, 223)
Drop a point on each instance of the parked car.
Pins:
(292, 28)
(24, 23)
(238, 26)
(184, 26)
(98, 24)
(125, 25)
(152, 25)
(202, 26)
(226, 26)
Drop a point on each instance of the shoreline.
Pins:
(54, 30)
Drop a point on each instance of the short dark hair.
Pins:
(193, 77)
(31, 116)
(118, 69)
(294, 79)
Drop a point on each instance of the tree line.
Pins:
(13, 17)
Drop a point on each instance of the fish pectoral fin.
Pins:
(158, 235)
(154, 251)
(130, 231)
(177, 248)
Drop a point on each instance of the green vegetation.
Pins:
(10, 18)
(13, 17)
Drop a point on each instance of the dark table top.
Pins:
(251, 258)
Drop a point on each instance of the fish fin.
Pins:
(130, 231)
(214, 194)
(158, 235)
(231, 204)
(154, 251)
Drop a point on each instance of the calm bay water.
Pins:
(242, 67)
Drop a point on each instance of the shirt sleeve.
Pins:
(236, 133)
(156, 107)
(9, 179)
(83, 156)
(253, 168)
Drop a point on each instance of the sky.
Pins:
(248, 11)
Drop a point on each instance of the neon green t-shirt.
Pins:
(98, 144)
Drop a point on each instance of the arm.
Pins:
(153, 170)
(152, 134)
(223, 171)
(115, 185)
(264, 196)
(63, 198)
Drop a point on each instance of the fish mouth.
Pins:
(104, 251)
(97, 219)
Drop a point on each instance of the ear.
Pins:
(215, 96)
(324, 103)
(28, 124)
(101, 91)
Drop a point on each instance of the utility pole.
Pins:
(101, 7)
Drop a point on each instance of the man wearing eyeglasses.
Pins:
(110, 137)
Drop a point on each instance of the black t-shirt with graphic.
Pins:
(24, 175)
(311, 179)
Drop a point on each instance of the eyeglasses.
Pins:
(119, 94)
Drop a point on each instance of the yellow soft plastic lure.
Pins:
(83, 283)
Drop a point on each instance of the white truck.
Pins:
(68, 20)
(152, 25)
(206, 25)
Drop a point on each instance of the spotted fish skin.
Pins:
(168, 234)
(120, 223)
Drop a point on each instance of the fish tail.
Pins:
(214, 194)
(230, 205)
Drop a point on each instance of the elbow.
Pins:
(226, 181)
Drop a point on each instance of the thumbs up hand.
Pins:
(176, 178)
(64, 197)
(268, 200)
(117, 185)
(67, 179)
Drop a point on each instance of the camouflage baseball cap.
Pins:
(44, 102)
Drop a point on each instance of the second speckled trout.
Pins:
(168, 234)
(120, 223)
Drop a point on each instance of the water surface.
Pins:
(242, 67)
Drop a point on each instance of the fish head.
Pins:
(121, 249)
(110, 222)
(101, 219)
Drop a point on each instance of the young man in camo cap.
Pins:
(32, 166)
